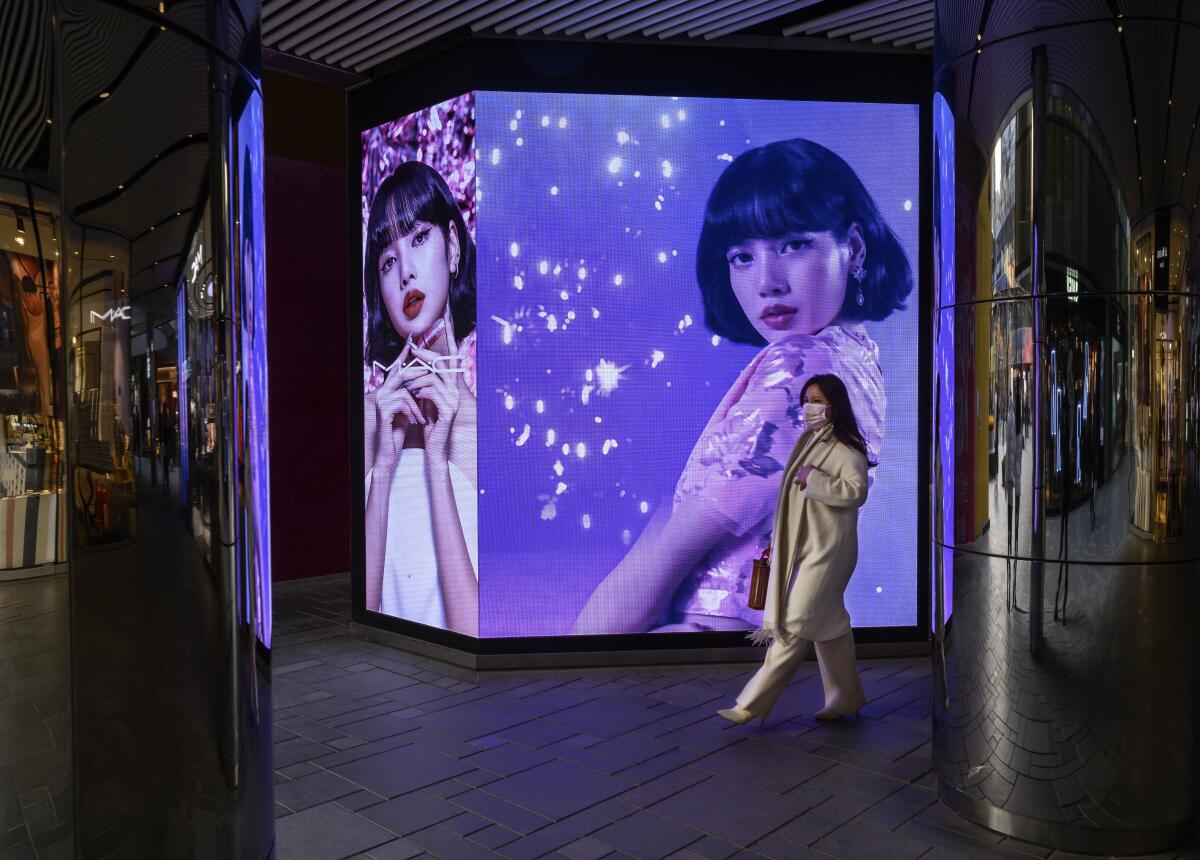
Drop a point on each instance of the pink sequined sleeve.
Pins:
(738, 462)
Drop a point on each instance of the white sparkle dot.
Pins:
(508, 401)
(722, 123)
(681, 115)
(724, 156)
(907, 205)
(580, 450)
(625, 536)
(618, 280)
(518, 113)
(564, 295)
(514, 250)
(543, 267)
(667, 170)
(598, 420)
(545, 121)
(665, 120)
(637, 174)
(656, 357)
(645, 506)
(571, 315)
(658, 205)
(622, 137)
(524, 437)
(549, 437)
(674, 253)
(582, 273)
(520, 141)
(586, 520)
(540, 406)
(614, 164)
(560, 489)
(662, 256)
(512, 125)
(562, 122)
(518, 282)
(595, 313)
(879, 589)
(566, 449)
(558, 468)
(496, 156)
(716, 339)
(557, 271)
(553, 190)
(551, 322)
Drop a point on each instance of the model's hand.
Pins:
(395, 410)
(802, 474)
(438, 397)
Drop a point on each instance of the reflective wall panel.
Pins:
(136, 412)
(1068, 540)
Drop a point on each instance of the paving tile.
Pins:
(631, 748)
(604, 718)
(537, 733)
(326, 832)
(553, 837)
(822, 819)
(857, 839)
(361, 751)
(870, 736)
(474, 719)
(360, 800)
(898, 808)
(730, 810)
(557, 789)
(397, 849)
(447, 845)
(377, 728)
(466, 823)
(763, 765)
(587, 848)
(401, 770)
(501, 811)
(712, 848)
(494, 836)
(649, 793)
(296, 750)
(310, 729)
(614, 809)
(507, 759)
(648, 836)
(314, 789)
(412, 812)
(854, 784)
(776, 847)
(360, 685)
(706, 737)
(659, 765)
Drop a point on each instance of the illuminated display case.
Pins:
(616, 293)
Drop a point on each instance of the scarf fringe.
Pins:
(763, 635)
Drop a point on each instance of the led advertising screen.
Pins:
(618, 300)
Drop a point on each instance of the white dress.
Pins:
(410, 588)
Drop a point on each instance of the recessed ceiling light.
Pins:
(105, 94)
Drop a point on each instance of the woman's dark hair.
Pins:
(414, 192)
(841, 413)
(794, 186)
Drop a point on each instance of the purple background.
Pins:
(549, 190)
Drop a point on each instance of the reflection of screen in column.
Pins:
(645, 330)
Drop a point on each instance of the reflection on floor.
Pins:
(35, 729)
(383, 754)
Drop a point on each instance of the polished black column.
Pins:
(141, 165)
(1067, 533)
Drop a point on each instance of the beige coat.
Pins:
(816, 536)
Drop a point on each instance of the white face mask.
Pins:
(816, 415)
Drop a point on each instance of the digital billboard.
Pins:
(616, 300)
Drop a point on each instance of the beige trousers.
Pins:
(839, 675)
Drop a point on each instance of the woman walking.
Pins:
(814, 548)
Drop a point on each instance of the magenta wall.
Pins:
(306, 313)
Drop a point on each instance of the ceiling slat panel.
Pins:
(360, 35)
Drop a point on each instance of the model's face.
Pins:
(414, 276)
(795, 283)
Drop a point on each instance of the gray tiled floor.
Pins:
(382, 754)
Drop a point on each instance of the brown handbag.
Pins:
(758, 582)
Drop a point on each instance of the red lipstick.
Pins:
(778, 317)
(413, 302)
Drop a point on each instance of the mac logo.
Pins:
(111, 315)
(440, 364)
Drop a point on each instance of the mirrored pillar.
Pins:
(133, 396)
(1067, 529)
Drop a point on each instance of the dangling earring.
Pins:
(859, 274)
